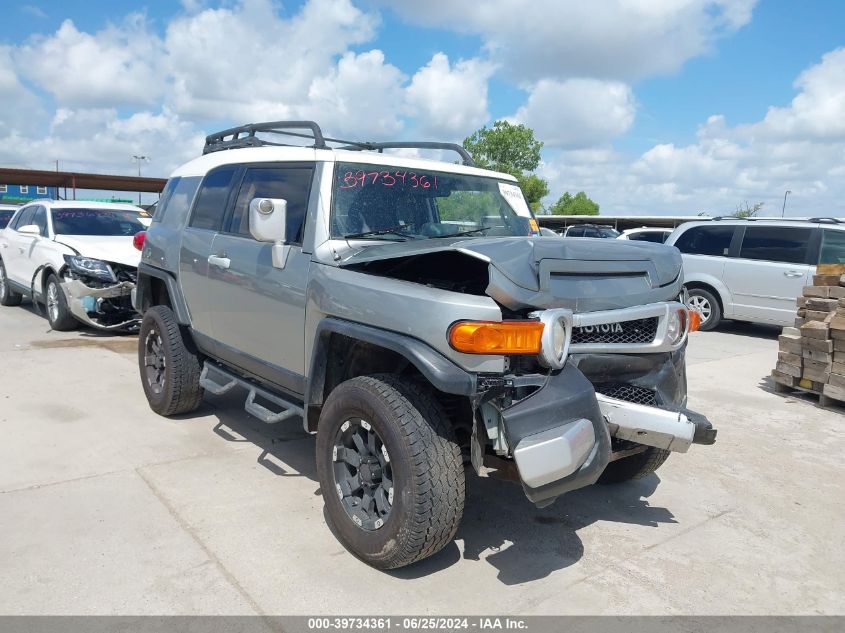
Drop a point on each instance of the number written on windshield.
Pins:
(358, 179)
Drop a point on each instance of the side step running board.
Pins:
(218, 381)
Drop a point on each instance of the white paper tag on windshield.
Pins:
(513, 194)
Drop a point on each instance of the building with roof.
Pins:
(19, 194)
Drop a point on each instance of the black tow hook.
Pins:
(704, 431)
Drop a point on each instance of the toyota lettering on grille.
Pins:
(636, 331)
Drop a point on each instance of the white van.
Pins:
(753, 270)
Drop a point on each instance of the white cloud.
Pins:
(450, 101)
(247, 62)
(361, 98)
(115, 66)
(617, 39)
(800, 147)
(578, 112)
(22, 110)
(99, 140)
(819, 109)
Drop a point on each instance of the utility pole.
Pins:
(138, 160)
(783, 210)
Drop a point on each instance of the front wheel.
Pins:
(169, 365)
(390, 470)
(58, 313)
(703, 302)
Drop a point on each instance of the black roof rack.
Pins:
(244, 136)
(827, 220)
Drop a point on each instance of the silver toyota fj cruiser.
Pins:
(410, 314)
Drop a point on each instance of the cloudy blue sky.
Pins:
(650, 106)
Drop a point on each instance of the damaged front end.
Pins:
(562, 428)
(100, 293)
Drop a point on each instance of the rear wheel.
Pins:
(634, 467)
(58, 313)
(8, 297)
(705, 303)
(169, 365)
(390, 470)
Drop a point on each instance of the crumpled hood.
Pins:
(583, 274)
(118, 249)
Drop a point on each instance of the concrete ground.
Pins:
(107, 508)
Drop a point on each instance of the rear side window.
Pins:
(211, 199)
(706, 240)
(289, 183)
(651, 236)
(5, 216)
(775, 244)
(576, 231)
(833, 247)
(175, 201)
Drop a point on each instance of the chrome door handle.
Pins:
(220, 262)
(792, 273)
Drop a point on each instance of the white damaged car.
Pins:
(79, 259)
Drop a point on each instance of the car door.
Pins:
(260, 309)
(705, 250)
(18, 246)
(770, 272)
(37, 252)
(206, 221)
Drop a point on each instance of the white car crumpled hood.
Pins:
(118, 249)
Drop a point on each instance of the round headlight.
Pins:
(557, 333)
(677, 325)
(558, 338)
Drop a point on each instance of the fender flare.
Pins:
(442, 373)
(142, 292)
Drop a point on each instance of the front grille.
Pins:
(629, 393)
(621, 332)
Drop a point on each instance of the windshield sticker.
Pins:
(515, 199)
(359, 179)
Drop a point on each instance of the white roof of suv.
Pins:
(241, 145)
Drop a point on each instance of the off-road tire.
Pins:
(179, 390)
(634, 467)
(715, 316)
(426, 463)
(8, 297)
(59, 315)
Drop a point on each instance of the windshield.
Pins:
(380, 202)
(606, 231)
(5, 216)
(104, 222)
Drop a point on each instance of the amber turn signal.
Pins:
(694, 320)
(496, 337)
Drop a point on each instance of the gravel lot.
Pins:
(107, 508)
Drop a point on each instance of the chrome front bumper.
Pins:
(552, 455)
(669, 430)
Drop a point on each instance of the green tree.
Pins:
(579, 204)
(511, 149)
(748, 212)
(534, 188)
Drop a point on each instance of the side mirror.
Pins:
(30, 229)
(267, 223)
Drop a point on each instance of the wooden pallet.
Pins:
(824, 400)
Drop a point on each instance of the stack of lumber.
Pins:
(811, 355)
